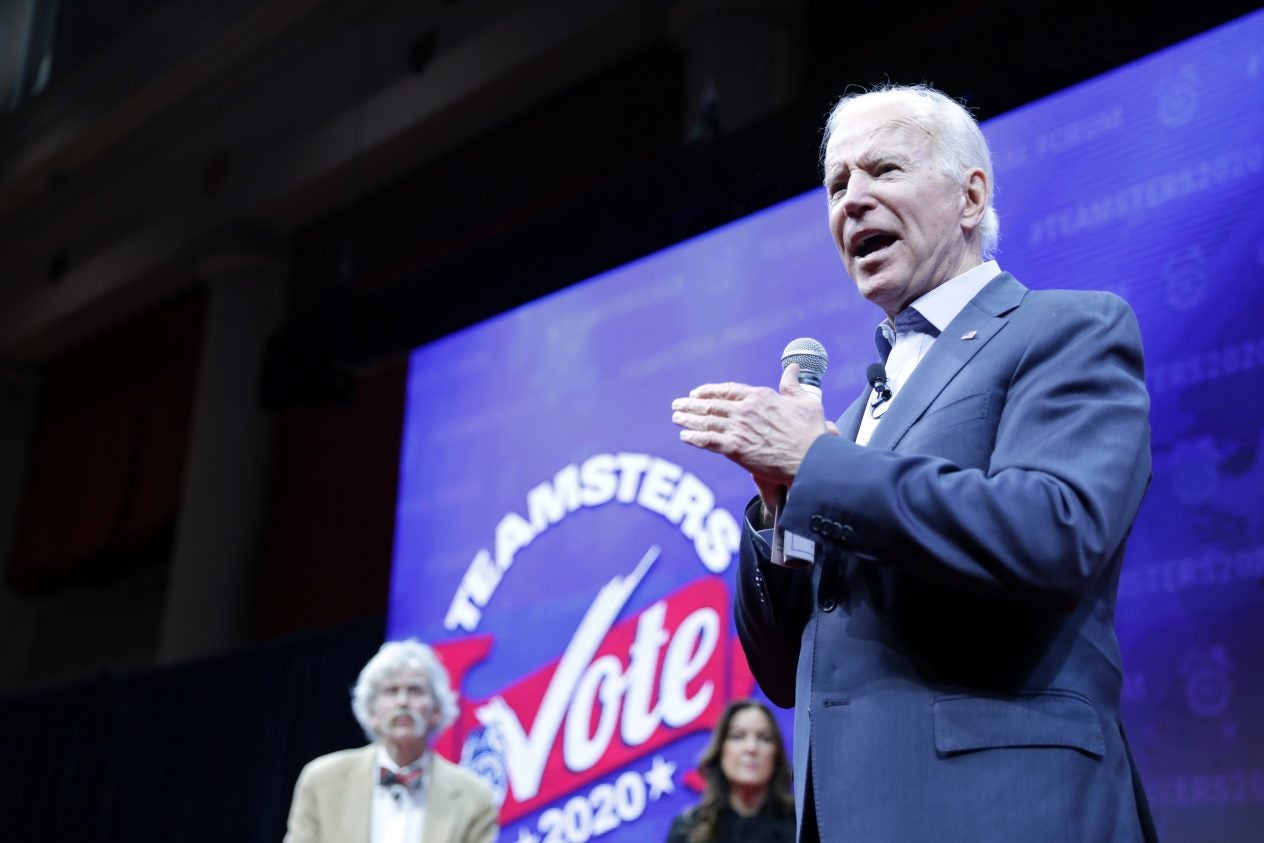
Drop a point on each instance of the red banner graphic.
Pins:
(617, 693)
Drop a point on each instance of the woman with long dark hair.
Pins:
(747, 797)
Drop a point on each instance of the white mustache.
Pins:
(418, 723)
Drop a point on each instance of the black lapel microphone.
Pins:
(876, 374)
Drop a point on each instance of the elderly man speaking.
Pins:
(947, 636)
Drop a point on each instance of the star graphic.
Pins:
(526, 835)
(659, 778)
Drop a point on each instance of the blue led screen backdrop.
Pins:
(574, 562)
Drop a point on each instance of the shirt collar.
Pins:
(939, 306)
(384, 760)
(942, 304)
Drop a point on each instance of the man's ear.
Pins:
(436, 716)
(974, 200)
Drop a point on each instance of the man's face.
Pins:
(899, 223)
(404, 708)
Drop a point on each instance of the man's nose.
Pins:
(859, 196)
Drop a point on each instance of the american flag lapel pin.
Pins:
(969, 335)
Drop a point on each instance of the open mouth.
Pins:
(873, 244)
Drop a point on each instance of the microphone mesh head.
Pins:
(808, 353)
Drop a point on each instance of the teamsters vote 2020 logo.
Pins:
(622, 689)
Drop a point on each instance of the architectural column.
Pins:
(229, 464)
(743, 60)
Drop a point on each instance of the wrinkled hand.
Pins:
(765, 431)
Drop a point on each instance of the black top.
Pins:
(764, 827)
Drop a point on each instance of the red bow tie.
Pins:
(410, 779)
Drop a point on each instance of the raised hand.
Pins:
(765, 431)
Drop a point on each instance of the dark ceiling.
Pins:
(576, 188)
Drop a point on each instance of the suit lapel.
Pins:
(354, 796)
(980, 320)
(440, 799)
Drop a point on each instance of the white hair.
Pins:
(392, 658)
(959, 143)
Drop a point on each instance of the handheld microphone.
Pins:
(812, 359)
(876, 374)
(789, 550)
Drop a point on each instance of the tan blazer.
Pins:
(333, 796)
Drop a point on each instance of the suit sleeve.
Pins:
(771, 607)
(302, 825)
(1068, 467)
(483, 826)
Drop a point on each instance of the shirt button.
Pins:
(815, 523)
(845, 533)
(828, 604)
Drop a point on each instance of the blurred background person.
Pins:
(747, 796)
(396, 789)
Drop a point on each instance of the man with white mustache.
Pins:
(396, 789)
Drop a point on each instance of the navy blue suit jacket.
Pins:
(951, 656)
